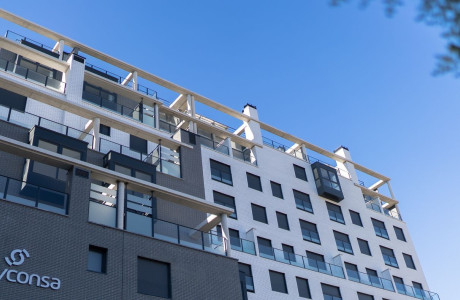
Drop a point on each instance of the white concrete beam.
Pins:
(209, 223)
(127, 79)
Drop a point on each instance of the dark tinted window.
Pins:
(399, 282)
(288, 252)
(303, 287)
(343, 242)
(418, 289)
(352, 271)
(389, 257)
(309, 232)
(137, 144)
(265, 247)
(300, 172)
(276, 189)
(221, 172)
(105, 130)
(409, 261)
(259, 213)
(153, 278)
(379, 228)
(254, 182)
(282, 220)
(246, 269)
(400, 234)
(355, 218)
(373, 277)
(335, 213)
(364, 247)
(235, 241)
(13, 100)
(225, 200)
(331, 292)
(97, 259)
(278, 282)
(362, 296)
(302, 201)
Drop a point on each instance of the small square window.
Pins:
(364, 247)
(300, 173)
(343, 242)
(335, 213)
(254, 182)
(303, 287)
(399, 234)
(105, 130)
(276, 189)
(302, 201)
(283, 222)
(309, 232)
(278, 282)
(259, 213)
(380, 229)
(97, 259)
(265, 247)
(221, 172)
(389, 257)
(153, 278)
(356, 218)
(409, 261)
(137, 144)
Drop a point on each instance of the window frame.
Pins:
(378, 232)
(302, 176)
(409, 257)
(234, 215)
(360, 242)
(309, 238)
(250, 183)
(277, 185)
(357, 217)
(399, 232)
(256, 210)
(220, 171)
(283, 215)
(333, 211)
(389, 261)
(282, 275)
(301, 205)
(341, 243)
(306, 284)
(158, 263)
(101, 251)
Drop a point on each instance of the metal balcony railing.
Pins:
(371, 280)
(411, 291)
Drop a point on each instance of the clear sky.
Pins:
(333, 76)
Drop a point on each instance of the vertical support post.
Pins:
(304, 152)
(61, 49)
(191, 112)
(135, 82)
(156, 113)
(228, 143)
(390, 189)
(121, 188)
(225, 234)
(96, 129)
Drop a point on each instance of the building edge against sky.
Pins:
(115, 180)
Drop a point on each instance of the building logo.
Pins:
(17, 258)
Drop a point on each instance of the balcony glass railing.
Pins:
(415, 292)
(283, 148)
(371, 280)
(301, 261)
(33, 195)
(105, 146)
(377, 205)
(29, 120)
(242, 245)
(32, 75)
(244, 155)
(166, 160)
(218, 146)
(21, 39)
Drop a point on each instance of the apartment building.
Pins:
(110, 191)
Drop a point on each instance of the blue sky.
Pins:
(333, 76)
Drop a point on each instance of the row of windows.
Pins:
(153, 277)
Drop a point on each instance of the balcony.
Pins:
(32, 75)
(301, 261)
(33, 195)
(377, 205)
(416, 293)
(283, 148)
(370, 280)
(214, 145)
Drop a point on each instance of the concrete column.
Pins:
(228, 143)
(304, 152)
(225, 233)
(61, 49)
(96, 129)
(252, 130)
(121, 205)
(191, 112)
(390, 189)
(156, 113)
(135, 82)
(349, 167)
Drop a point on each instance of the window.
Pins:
(105, 130)
(137, 144)
(362, 296)
(400, 287)
(97, 259)
(399, 234)
(302, 201)
(379, 228)
(300, 172)
(373, 277)
(225, 200)
(246, 269)
(409, 261)
(254, 182)
(309, 232)
(259, 213)
(235, 241)
(12, 100)
(329, 178)
(316, 262)
(364, 247)
(288, 252)
(418, 289)
(265, 247)
(352, 271)
(335, 213)
(71, 153)
(356, 218)
(389, 257)
(343, 242)
(303, 287)
(221, 172)
(153, 278)
(278, 282)
(282, 220)
(276, 189)
(331, 292)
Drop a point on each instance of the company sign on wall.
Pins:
(18, 257)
